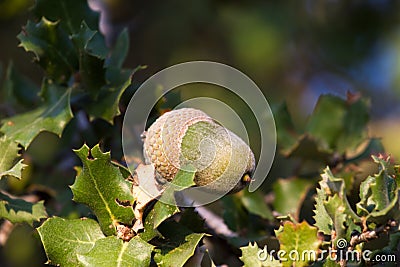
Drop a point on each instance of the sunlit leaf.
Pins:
(180, 245)
(51, 117)
(111, 251)
(298, 239)
(64, 239)
(99, 184)
(10, 162)
(253, 256)
(17, 210)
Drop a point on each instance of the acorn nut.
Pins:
(223, 161)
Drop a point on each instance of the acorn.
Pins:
(223, 161)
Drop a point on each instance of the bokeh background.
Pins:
(293, 50)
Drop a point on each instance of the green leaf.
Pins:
(64, 239)
(322, 219)
(52, 47)
(20, 211)
(379, 194)
(339, 125)
(332, 201)
(290, 194)
(307, 147)
(286, 133)
(341, 216)
(51, 117)
(255, 203)
(299, 237)
(18, 89)
(99, 184)
(92, 53)
(150, 231)
(107, 104)
(70, 13)
(162, 210)
(111, 251)
(10, 162)
(120, 50)
(179, 246)
(250, 257)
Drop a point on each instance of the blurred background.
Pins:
(293, 50)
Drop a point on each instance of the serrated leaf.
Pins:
(51, 117)
(20, 211)
(250, 257)
(299, 237)
(254, 202)
(379, 195)
(98, 185)
(52, 47)
(179, 246)
(322, 219)
(10, 162)
(290, 194)
(163, 209)
(111, 251)
(332, 201)
(64, 239)
(70, 13)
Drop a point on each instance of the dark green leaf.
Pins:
(99, 184)
(64, 239)
(18, 89)
(70, 13)
(254, 202)
(180, 245)
(111, 251)
(52, 47)
(92, 54)
(20, 211)
(107, 104)
(162, 210)
(51, 117)
(120, 50)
